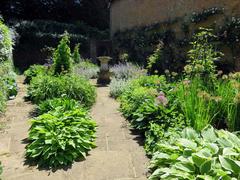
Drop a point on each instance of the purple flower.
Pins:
(162, 99)
(186, 82)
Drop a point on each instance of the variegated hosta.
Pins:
(59, 138)
(211, 154)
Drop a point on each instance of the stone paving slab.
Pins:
(118, 155)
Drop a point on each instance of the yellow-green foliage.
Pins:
(76, 56)
(62, 56)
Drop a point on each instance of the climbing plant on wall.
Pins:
(140, 42)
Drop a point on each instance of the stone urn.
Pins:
(104, 74)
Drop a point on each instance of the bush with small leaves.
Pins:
(74, 87)
(34, 71)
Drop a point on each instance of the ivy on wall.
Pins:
(205, 14)
(140, 42)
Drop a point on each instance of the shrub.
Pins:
(157, 82)
(202, 56)
(155, 62)
(86, 69)
(126, 71)
(211, 154)
(76, 56)
(5, 43)
(34, 71)
(61, 104)
(62, 56)
(49, 87)
(7, 77)
(59, 138)
(144, 101)
(117, 87)
(157, 111)
(132, 98)
(124, 57)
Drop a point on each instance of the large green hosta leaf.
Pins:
(211, 154)
(59, 138)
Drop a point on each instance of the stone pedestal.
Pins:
(104, 74)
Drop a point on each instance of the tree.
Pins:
(62, 56)
(76, 56)
(92, 12)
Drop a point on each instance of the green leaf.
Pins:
(209, 134)
(190, 133)
(48, 141)
(225, 143)
(199, 159)
(206, 167)
(187, 143)
(205, 177)
(229, 152)
(213, 148)
(229, 164)
(186, 167)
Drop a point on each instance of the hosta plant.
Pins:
(59, 138)
(210, 154)
(62, 104)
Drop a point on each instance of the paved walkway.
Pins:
(118, 155)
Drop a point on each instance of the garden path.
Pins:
(118, 155)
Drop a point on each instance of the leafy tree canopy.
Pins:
(92, 12)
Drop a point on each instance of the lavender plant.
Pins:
(127, 71)
(86, 69)
(117, 87)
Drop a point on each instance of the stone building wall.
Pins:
(126, 14)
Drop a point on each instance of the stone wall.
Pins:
(126, 14)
